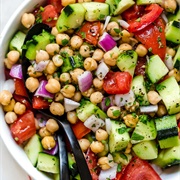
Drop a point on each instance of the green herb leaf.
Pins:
(137, 137)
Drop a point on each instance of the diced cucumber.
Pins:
(167, 131)
(154, 73)
(146, 2)
(105, 151)
(56, 176)
(145, 130)
(146, 150)
(48, 163)
(175, 16)
(121, 158)
(119, 136)
(139, 89)
(95, 11)
(33, 148)
(173, 32)
(87, 109)
(76, 61)
(112, 5)
(17, 42)
(176, 60)
(73, 170)
(38, 42)
(170, 93)
(71, 17)
(168, 157)
(127, 61)
(66, 66)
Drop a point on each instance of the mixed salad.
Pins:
(113, 69)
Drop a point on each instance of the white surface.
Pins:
(9, 169)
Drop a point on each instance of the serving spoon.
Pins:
(62, 121)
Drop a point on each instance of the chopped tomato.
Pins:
(139, 169)
(140, 66)
(80, 130)
(24, 127)
(152, 12)
(102, 1)
(49, 15)
(117, 82)
(20, 87)
(91, 160)
(57, 4)
(40, 103)
(90, 32)
(153, 38)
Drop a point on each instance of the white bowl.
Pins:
(16, 151)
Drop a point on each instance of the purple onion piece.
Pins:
(41, 65)
(41, 120)
(16, 71)
(107, 102)
(52, 151)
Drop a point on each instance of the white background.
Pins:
(9, 169)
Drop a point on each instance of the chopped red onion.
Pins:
(41, 91)
(101, 70)
(163, 15)
(108, 125)
(41, 120)
(107, 102)
(9, 85)
(70, 105)
(123, 23)
(41, 66)
(124, 99)
(149, 109)
(85, 81)
(110, 160)
(106, 22)
(169, 62)
(52, 151)
(106, 42)
(94, 123)
(16, 71)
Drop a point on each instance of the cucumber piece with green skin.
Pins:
(112, 6)
(38, 42)
(146, 2)
(33, 148)
(167, 131)
(176, 59)
(48, 163)
(17, 41)
(121, 158)
(168, 157)
(172, 32)
(176, 16)
(170, 93)
(95, 11)
(154, 73)
(86, 109)
(146, 150)
(72, 165)
(119, 136)
(139, 89)
(71, 17)
(127, 61)
(145, 130)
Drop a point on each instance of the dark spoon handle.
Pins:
(64, 171)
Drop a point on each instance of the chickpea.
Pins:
(88, 92)
(48, 142)
(57, 108)
(66, 50)
(32, 73)
(53, 86)
(10, 117)
(131, 120)
(132, 108)
(75, 73)
(133, 41)
(90, 64)
(57, 60)
(161, 110)
(43, 132)
(19, 108)
(80, 1)
(41, 55)
(76, 42)
(141, 50)
(27, 20)
(125, 47)
(65, 2)
(65, 78)
(97, 147)
(102, 30)
(170, 5)
(98, 54)
(10, 106)
(85, 50)
(170, 51)
(153, 97)
(32, 84)
(52, 125)
(50, 68)
(125, 36)
(114, 112)
(54, 31)
(113, 28)
(84, 144)
(7, 64)
(96, 97)
(77, 96)
(62, 39)
(110, 57)
(59, 96)
(101, 135)
(36, 124)
(52, 49)
(53, 76)
(176, 73)
(68, 91)
(5, 97)
(98, 83)
(13, 56)
(103, 162)
(128, 148)
(72, 117)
